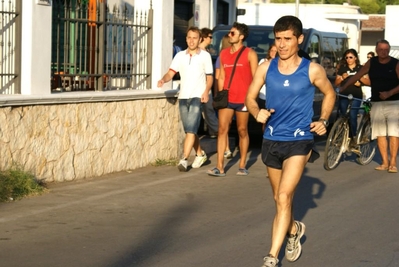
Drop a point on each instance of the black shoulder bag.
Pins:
(221, 99)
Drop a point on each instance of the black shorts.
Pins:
(237, 107)
(275, 152)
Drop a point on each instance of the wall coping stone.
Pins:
(84, 97)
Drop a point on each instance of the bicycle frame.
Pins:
(338, 139)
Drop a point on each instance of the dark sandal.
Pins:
(242, 172)
(215, 172)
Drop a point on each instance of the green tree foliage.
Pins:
(383, 3)
(334, 2)
(293, 1)
(369, 6)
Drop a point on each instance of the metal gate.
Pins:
(10, 47)
(95, 48)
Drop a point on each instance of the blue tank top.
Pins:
(291, 96)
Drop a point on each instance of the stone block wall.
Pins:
(63, 142)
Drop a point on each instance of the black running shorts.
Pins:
(275, 152)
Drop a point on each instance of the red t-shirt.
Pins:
(242, 75)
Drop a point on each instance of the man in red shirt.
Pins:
(242, 78)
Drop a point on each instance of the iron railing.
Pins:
(95, 48)
(10, 46)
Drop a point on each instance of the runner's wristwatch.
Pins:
(325, 122)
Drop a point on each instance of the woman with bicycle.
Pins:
(350, 66)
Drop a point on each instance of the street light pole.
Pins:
(297, 8)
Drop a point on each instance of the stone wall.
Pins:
(63, 142)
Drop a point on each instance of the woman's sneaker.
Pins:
(182, 166)
(199, 160)
(269, 261)
(228, 154)
(293, 248)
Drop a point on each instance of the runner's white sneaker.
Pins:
(293, 249)
(269, 261)
(199, 160)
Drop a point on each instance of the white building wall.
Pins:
(336, 18)
(36, 48)
(162, 41)
(392, 25)
(203, 7)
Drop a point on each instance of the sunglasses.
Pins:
(349, 57)
(232, 33)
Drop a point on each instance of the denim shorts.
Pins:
(275, 152)
(190, 113)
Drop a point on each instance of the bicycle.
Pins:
(338, 141)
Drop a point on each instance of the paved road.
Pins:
(157, 216)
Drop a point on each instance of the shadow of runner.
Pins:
(308, 190)
(159, 238)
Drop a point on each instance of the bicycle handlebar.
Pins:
(350, 97)
(366, 102)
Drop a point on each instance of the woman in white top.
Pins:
(271, 53)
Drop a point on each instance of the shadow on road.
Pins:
(309, 189)
(160, 237)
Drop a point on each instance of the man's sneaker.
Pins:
(182, 165)
(199, 160)
(269, 261)
(293, 249)
(228, 154)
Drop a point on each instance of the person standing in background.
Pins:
(209, 114)
(366, 89)
(383, 71)
(224, 44)
(350, 67)
(370, 55)
(245, 69)
(196, 71)
(176, 48)
(271, 53)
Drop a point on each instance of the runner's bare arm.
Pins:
(261, 115)
(319, 79)
(363, 71)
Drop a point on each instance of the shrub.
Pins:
(16, 184)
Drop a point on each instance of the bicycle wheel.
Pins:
(366, 145)
(335, 144)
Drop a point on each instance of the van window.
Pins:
(259, 40)
(333, 50)
(314, 48)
